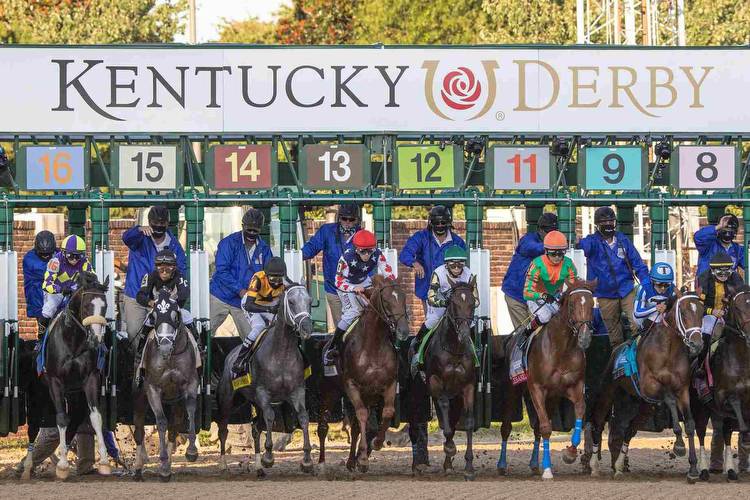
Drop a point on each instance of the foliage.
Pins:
(717, 22)
(530, 21)
(251, 30)
(312, 22)
(90, 21)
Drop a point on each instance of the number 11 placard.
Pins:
(518, 167)
(146, 167)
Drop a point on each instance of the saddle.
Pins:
(422, 349)
(519, 359)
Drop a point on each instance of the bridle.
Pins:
(457, 321)
(575, 326)
(169, 339)
(684, 333)
(391, 320)
(93, 319)
(294, 319)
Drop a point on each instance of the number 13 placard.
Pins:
(147, 167)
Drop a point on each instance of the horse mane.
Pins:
(90, 281)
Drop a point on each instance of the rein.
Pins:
(684, 333)
(295, 320)
(457, 321)
(391, 320)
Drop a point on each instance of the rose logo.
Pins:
(460, 89)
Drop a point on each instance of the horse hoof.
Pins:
(191, 457)
(450, 449)
(534, 470)
(703, 475)
(419, 469)
(377, 444)
(26, 474)
(469, 475)
(502, 471)
(692, 478)
(547, 475)
(104, 469)
(138, 476)
(680, 451)
(362, 466)
(165, 478)
(267, 462)
(731, 475)
(618, 475)
(570, 454)
(307, 468)
(260, 473)
(350, 465)
(62, 473)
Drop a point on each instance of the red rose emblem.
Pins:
(460, 89)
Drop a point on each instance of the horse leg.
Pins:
(502, 462)
(468, 401)
(58, 398)
(575, 395)
(139, 420)
(191, 403)
(154, 399)
(224, 395)
(322, 435)
(269, 416)
(734, 402)
(256, 446)
(730, 468)
(389, 410)
(679, 444)
(297, 400)
(539, 397)
(701, 422)
(449, 447)
(684, 403)
(602, 409)
(363, 414)
(351, 462)
(91, 390)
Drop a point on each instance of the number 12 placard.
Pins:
(428, 167)
(146, 167)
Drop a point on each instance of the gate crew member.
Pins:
(425, 249)
(354, 275)
(650, 304)
(34, 265)
(332, 239)
(530, 246)
(62, 272)
(613, 259)
(144, 242)
(710, 240)
(238, 257)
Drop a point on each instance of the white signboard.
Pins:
(145, 167)
(219, 88)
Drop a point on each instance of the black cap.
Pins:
(604, 214)
(159, 214)
(275, 267)
(721, 259)
(547, 221)
(44, 242)
(349, 210)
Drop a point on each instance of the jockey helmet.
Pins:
(455, 253)
(440, 219)
(364, 239)
(547, 222)
(731, 226)
(44, 244)
(275, 270)
(555, 240)
(605, 220)
(721, 266)
(165, 257)
(661, 272)
(73, 246)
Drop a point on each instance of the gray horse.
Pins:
(277, 374)
(170, 364)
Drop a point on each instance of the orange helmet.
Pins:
(555, 240)
(364, 239)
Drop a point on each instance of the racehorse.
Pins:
(369, 365)
(74, 346)
(556, 368)
(730, 365)
(449, 366)
(170, 376)
(663, 359)
(277, 375)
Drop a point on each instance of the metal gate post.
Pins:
(381, 214)
(194, 215)
(659, 214)
(566, 220)
(746, 222)
(99, 227)
(474, 219)
(174, 219)
(533, 212)
(625, 219)
(77, 221)
(6, 226)
(288, 215)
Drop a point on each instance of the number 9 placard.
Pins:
(52, 168)
(518, 167)
(146, 167)
(428, 167)
(334, 166)
(241, 167)
(615, 168)
(705, 167)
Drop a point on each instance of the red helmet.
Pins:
(364, 239)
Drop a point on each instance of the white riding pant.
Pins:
(52, 302)
(258, 321)
(712, 325)
(433, 316)
(653, 317)
(351, 306)
(542, 310)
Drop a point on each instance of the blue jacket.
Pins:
(423, 248)
(233, 270)
(529, 247)
(599, 327)
(328, 239)
(610, 267)
(707, 242)
(141, 257)
(33, 275)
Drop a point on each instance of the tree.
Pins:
(90, 21)
(717, 22)
(317, 22)
(530, 21)
(251, 30)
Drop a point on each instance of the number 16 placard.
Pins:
(146, 167)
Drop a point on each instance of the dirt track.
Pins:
(654, 475)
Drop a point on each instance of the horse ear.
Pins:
(473, 281)
(106, 283)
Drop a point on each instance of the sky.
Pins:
(210, 13)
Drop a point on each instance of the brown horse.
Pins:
(369, 365)
(663, 358)
(730, 407)
(556, 368)
(449, 366)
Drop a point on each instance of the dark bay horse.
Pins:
(277, 374)
(74, 340)
(556, 368)
(369, 365)
(170, 364)
(449, 366)
(663, 358)
(730, 365)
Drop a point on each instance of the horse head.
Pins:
(739, 312)
(577, 304)
(687, 311)
(295, 310)
(389, 302)
(460, 310)
(167, 321)
(88, 304)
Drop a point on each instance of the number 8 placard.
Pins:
(146, 167)
(615, 168)
(335, 166)
(52, 168)
(428, 167)
(705, 167)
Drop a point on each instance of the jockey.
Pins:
(62, 272)
(454, 270)
(166, 276)
(649, 306)
(332, 239)
(713, 287)
(34, 265)
(239, 257)
(356, 267)
(425, 249)
(711, 240)
(545, 280)
(261, 304)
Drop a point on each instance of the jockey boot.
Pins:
(700, 370)
(331, 349)
(523, 335)
(242, 361)
(416, 366)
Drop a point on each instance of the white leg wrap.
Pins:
(702, 459)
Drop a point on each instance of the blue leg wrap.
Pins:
(576, 438)
(534, 462)
(546, 459)
(109, 442)
(502, 462)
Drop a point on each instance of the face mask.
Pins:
(440, 229)
(607, 229)
(347, 231)
(159, 231)
(727, 235)
(250, 235)
(275, 281)
(722, 275)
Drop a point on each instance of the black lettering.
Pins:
(78, 86)
(246, 86)
(113, 86)
(290, 94)
(178, 96)
(391, 83)
(214, 71)
(343, 86)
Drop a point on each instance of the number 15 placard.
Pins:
(146, 167)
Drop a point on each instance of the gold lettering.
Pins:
(664, 85)
(522, 105)
(577, 86)
(696, 85)
(616, 87)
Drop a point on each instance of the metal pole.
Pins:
(681, 38)
(630, 22)
(580, 31)
(192, 35)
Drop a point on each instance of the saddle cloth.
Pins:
(426, 341)
(626, 365)
(519, 359)
(704, 383)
